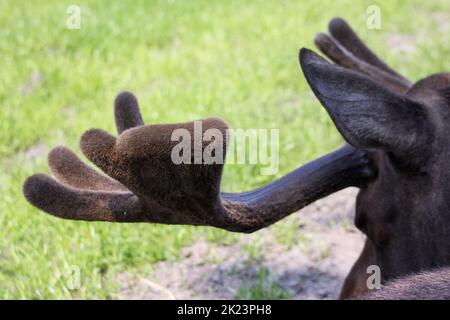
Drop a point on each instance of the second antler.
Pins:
(345, 48)
(142, 183)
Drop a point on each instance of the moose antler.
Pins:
(346, 49)
(143, 184)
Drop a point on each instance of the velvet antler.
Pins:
(143, 184)
(345, 48)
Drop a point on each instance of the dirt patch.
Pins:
(401, 43)
(31, 153)
(34, 81)
(313, 268)
(441, 21)
(35, 151)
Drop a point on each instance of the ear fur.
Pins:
(365, 113)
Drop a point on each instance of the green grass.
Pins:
(185, 60)
(265, 288)
(254, 247)
(288, 233)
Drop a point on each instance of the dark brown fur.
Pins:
(404, 211)
(427, 285)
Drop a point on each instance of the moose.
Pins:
(397, 148)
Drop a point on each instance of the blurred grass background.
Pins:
(184, 60)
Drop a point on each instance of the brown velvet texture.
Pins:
(142, 183)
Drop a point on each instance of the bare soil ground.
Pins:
(313, 267)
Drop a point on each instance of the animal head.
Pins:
(405, 128)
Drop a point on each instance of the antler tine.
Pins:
(70, 203)
(344, 58)
(347, 37)
(70, 170)
(126, 112)
(161, 191)
(345, 48)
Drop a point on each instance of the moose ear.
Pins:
(365, 113)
